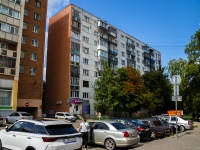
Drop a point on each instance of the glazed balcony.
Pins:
(112, 52)
(112, 32)
(130, 45)
(102, 26)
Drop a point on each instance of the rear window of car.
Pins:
(61, 129)
(25, 114)
(119, 126)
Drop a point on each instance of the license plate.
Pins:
(71, 140)
(146, 129)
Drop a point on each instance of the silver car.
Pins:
(112, 134)
(18, 116)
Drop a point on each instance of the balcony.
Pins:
(100, 47)
(111, 42)
(112, 32)
(130, 45)
(76, 18)
(112, 52)
(105, 39)
(75, 52)
(102, 26)
(74, 29)
(16, 1)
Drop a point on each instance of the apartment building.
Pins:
(78, 43)
(22, 36)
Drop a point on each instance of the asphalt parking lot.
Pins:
(188, 140)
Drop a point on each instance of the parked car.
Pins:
(112, 134)
(183, 124)
(65, 115)
(158, 130)
(40, 135)
(143, 130)
(1, 120)
(44, 115)
(15, 116)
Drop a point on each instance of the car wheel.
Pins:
(153, 135)
(1, 148)
(110, 144)
(182, 128)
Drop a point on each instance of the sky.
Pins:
(165, 25)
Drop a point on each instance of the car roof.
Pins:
(105, 121)
(45, 123)
(63, 112)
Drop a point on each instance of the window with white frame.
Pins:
(85, 72)
(96, 33)
(36, 16)
(95, 43)
(86, 19)
(86, 50)
(75, 81)
(5, 97)
(22, 55)
(36, 29)
(95, 74)
(33, 71)
(103, 53)
(25, 12)
(103, 43)
(75, 35)
(37, 3)
(85, 95)
(85, 61)
(21, 69)
(85, 39)
(23, 40)
(34, 56)
(75, 58)
(34, 42)
(25, 26)
(95, 53)
(8, 28)
(74, 93)
(123, 62)
(86, 29)
(9, 11)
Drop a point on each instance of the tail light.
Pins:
(49, 139)
(189, 123)
(125, 134)
(140, 129)
(22, 117)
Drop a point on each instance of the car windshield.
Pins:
(61, 129)
(25, 114)
(137, 122)
(157, 123)
(119, 126)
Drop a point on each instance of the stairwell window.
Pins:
(34, 42)
(25, 12)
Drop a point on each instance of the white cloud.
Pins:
(54, 6)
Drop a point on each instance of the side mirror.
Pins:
(7, 128)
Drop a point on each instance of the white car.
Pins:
(15, 116)
(40, 135)
(65, 115)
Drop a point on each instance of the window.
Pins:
(74, 93)
(137, 44)
(138, 67)
(85, 50)
(9, 11)
(95, 74)
(75, 46)
(123, 62)
(75, 81)
(34, 56)
(96, 33)
(8, 28)
(85, 61)
(122, 36)
(36, 16)
(95, 23)
(95, 63)
(22, 54)
(85, 39)
(33, 71)
(37, 3)
(86, 29)
(86, 19)
(138, 60)
(5, 97)
(21, 69)
(85, 72)
(36, 29)
(122, 45)
(103, 43)
(75, 58)
(103, 53)
(75, 24)
(35, 42)
(28, 127)
(75, 35)
(95, 53)
(85, 83)
(23, 40)
(27, 1)
(25, 12)
(123, 54)
(85, 95)
(25, 26)
(95, 43)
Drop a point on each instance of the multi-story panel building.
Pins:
(78, 43)
(22, 36)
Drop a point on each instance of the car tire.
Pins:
(182, 128)
(1, 148)
(110, 144)
(153, 135)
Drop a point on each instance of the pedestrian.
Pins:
(99, 115)
(84, 129)
(193, 116)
